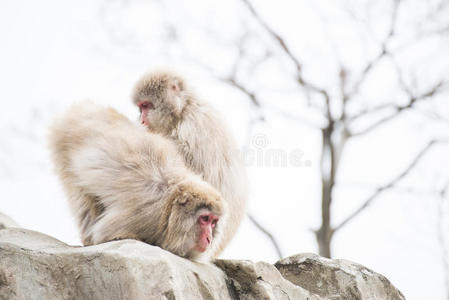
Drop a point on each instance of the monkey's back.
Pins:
(108, 165)
(209, 149)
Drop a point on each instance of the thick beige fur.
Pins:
(123, 182)
(202, 139)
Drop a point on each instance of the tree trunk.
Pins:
(325, 233)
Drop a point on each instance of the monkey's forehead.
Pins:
(151, 89)
(153, 82)
(212, 207)
(157, 82)
(162, 76)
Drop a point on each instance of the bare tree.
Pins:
(340, 124)
(344, 113)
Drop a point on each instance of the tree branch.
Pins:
(435, 115)
(371, 110)
(268, 234)
(251, 218)
(389, 185)
(275, 35)
(398, 109)
(294, 117)
(366, 70)
(256, 102)
(252, 96)
(384, 52)
(283, 45)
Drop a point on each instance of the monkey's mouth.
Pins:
(203, 244)
(144, 121)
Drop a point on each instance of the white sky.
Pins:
(55, 52)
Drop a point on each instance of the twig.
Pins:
(252, 96)
(251, 218)
(389, 185)
(399, 109)
(283, 45)
(275, 35)
(384, 52)
(371, 110)
(366, 70)
(268, 234)
(434, 115)
(294, 117)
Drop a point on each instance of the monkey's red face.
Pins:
(155, 114)
(192, 229)
(207, 223)
(145, 106)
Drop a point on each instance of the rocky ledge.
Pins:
(36, 266)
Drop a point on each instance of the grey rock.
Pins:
(36, 266)
(248, 280)
(336, 278)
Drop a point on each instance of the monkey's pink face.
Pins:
(206, 222)
(155, 115)
(158, 111)
(145, 107)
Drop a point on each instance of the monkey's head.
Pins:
(161, 98)
(193, 223)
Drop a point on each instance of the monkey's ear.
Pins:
(176, 85)
(182, 200)
(175, 88)
(181, 196)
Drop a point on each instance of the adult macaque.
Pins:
(167, 106)
(123, 182)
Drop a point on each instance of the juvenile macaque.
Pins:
(167, 106)
(123, 182)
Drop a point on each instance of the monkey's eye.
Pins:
(214, 222)
(144, 105)
(205, 219)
